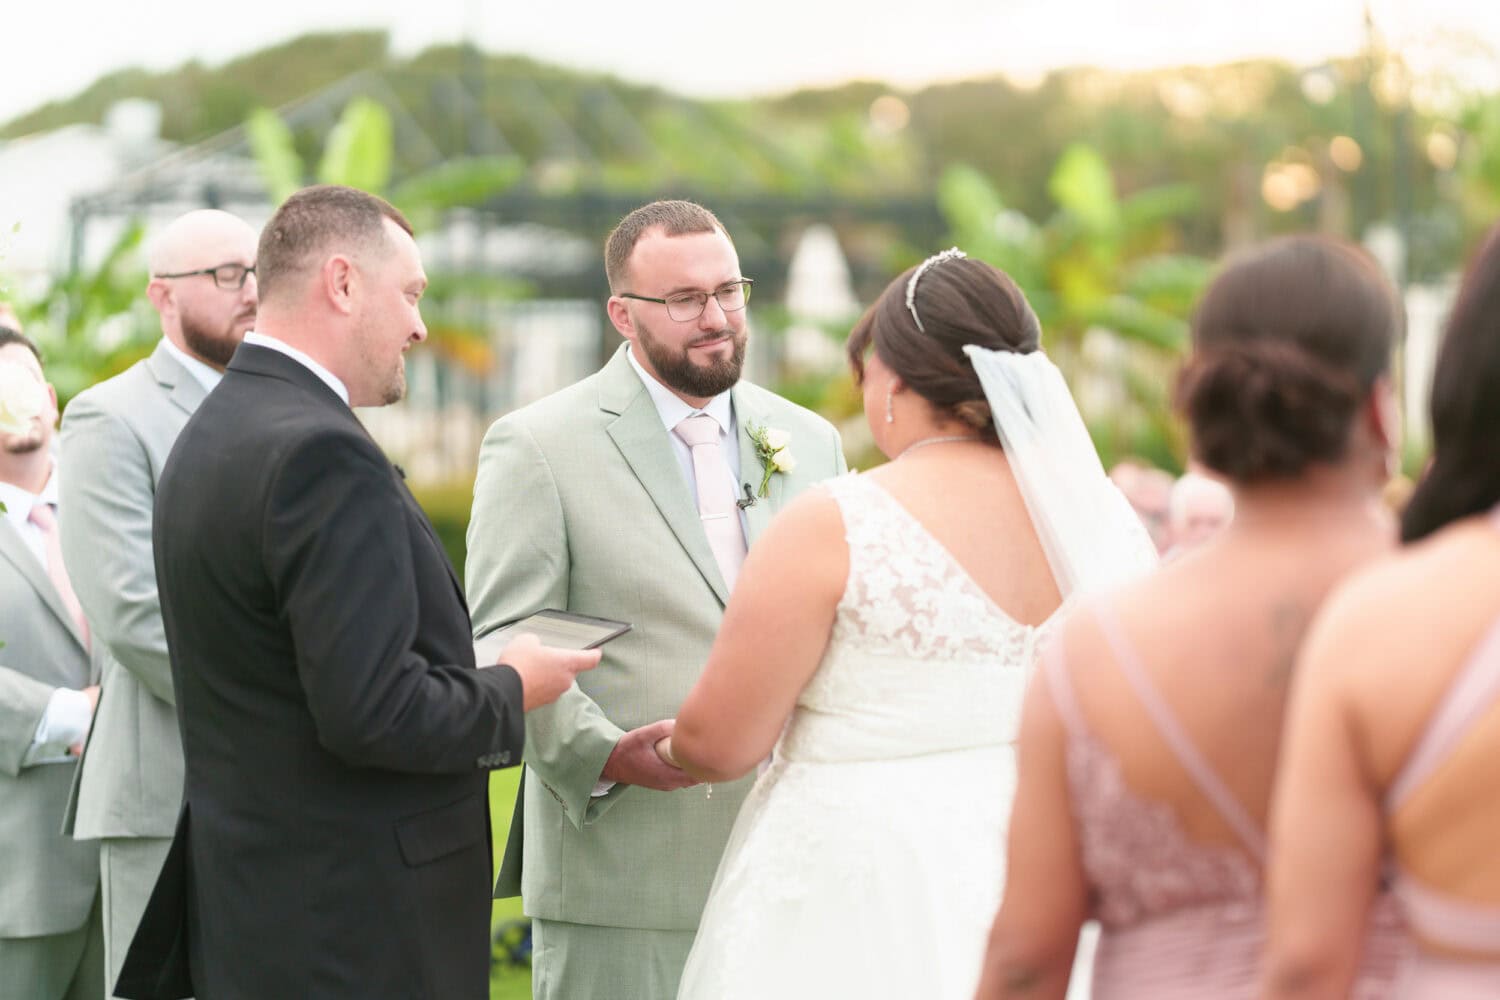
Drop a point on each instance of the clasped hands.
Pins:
(643, 757)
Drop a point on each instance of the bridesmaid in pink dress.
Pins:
(1395, 727)
(1148, 745)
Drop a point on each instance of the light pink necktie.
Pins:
(721, 519)
(44, 519)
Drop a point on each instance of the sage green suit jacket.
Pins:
(580, 504)
(115, 439)
(47, 880)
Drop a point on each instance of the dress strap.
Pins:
(1204, 776)
(1470, 695)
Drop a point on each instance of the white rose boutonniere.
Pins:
(23, 398)
(772, 447)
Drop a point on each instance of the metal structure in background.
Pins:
(560, 209)
(566, 183)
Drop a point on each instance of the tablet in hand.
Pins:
(560, 629)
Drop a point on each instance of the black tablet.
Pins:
(561, 629)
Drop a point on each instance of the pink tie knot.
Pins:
(42, 517)
(698, 429)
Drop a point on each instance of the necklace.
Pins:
(944, 439)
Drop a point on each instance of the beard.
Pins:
(24, 444)
(215, 348)
(395, 389)
(677, 370)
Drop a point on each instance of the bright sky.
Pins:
(52, 49)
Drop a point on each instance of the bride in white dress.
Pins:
(880, 637)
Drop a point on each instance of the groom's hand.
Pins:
(634, 760)
(545, 671)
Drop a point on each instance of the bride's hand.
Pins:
(664, 751)
(636, 760)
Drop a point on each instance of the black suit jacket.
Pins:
(334, 838)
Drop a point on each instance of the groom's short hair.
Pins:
(319, 220)
(676, 218)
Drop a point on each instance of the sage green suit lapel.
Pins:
(637, 431)
(14, 551)
(185, 391)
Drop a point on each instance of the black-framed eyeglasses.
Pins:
(684, 306)
(229, 277)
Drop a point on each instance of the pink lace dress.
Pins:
(1434, 915)
(1179, 919)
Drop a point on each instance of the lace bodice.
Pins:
(919, 660)
(868, 860)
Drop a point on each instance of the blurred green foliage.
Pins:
(1103, 193)
(1214, 130)
(447, 506)
(93, 324)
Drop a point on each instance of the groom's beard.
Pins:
(677, 369)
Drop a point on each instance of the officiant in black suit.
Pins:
(334, 838)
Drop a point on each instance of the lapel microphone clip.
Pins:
(750, 499)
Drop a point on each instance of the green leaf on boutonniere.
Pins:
(771, 447)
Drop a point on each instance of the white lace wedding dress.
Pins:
(868, 860)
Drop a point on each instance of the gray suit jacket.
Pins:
(116, 437)
(47, 881)
(580, 504)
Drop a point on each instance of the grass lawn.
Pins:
(505, 983)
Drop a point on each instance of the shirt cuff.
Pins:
(601, 788)
(64, 723)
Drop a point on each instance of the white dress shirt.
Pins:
(67, 716)
(674, 411)
(329, 378)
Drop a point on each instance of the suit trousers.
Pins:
(585, 962)
(55, 966)
(128, 867)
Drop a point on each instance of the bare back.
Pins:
(1444, 602)
(1215, 635)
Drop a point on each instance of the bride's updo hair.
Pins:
(960, 301)
(1286, 345)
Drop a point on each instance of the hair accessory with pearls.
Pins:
(952, 253)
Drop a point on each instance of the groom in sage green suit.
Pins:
(592, 500)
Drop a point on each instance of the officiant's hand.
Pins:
(634, 760)
(546, 671)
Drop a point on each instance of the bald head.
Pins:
(204, 238)
(201, 283)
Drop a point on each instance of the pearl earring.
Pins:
(890, 416)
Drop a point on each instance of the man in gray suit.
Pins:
(616, 497)
(116, 437)
(50, 942)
